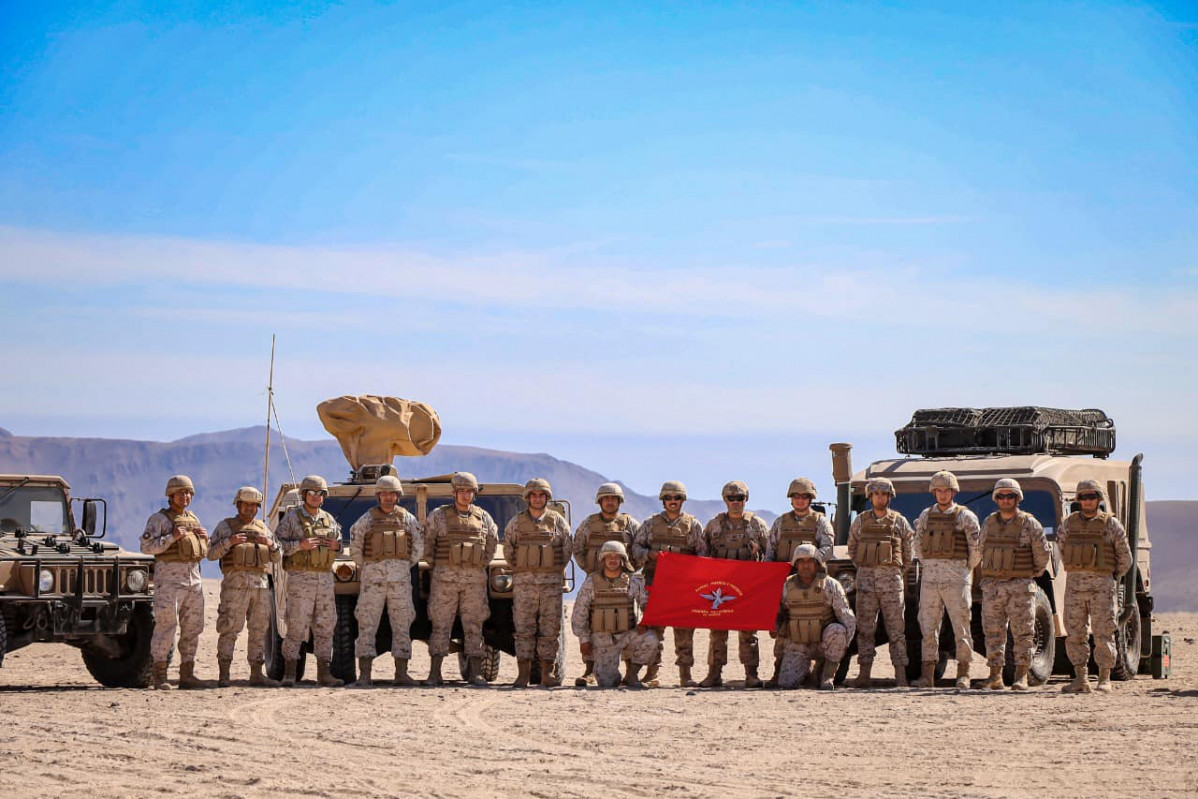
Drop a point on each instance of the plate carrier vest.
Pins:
(312, 560)
(254, 554)
(881, 542)
(1087, 548)
(464, 542)
(597, 532)
(538, 549)
(793, 531)
(943, 537)
(612, 609)
(733, 541)
(808, 610)
(387, 538)
(1003, 557)
(192, 547)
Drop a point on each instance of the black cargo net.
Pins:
(1024, 430)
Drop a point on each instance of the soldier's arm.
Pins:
(289, 533)
(357, 538)
(854, 536)
(434, 526)
(1063, 532)
(703, 545)
(1039, 544)
(416, 534)
(158, 536)
(840, 606)
(640, 594)
(334, 532)
(1118, 536)
(492, 538)
(782, 616)
(579, 545)
(510, 539)
(640, 544)
(219, 544)
(771, 540)
(973, 537)
(761, 535)
(921, 527)
(825, 538)
(908, 538)
(564, 544)
(580, 617)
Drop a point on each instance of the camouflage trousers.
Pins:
(537, 617)
(1093, 607)
(885, 595)
(311, 608)
(396, 596)
(237, 607)
(717, 648)
(684, 646)
(1013, 602)
(935, 599)
(796, 657)
(638, 646)
(452, 595)
(177, 608)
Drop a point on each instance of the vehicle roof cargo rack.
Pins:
(1025, 430)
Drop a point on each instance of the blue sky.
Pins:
(628, 234)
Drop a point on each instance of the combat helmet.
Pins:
(619, 548)
(801, 485)
(179, 482)
(248, 494)
(537, 484)
(944, 479)
(609, 490)
(388, 482)
(671, 488)
(1007, 484)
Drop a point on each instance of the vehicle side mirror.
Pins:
(92, 518)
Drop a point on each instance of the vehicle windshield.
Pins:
(347, 510)
(34, 509)
(1041, 504)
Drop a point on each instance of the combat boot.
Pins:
(159, 677)
(650, 680)
(324, 675)
(631, 680)
(474, 668)
(865, 669)
(588, 675)
(962, 675)
(434, 671)
(772, 682)
(828, 676)
(258, 677)
(714, 678)
(365, 666)
(188, 681)
(684, 677)
(289, 669)
(1104, 680)
(751, 678)
(627, 668)
(1081, 682)
(900, 675)
(1020, 683)
(927, 675)
(549, 678)
(401, 672)
(524, 666)
(223, 665)
(994, 681)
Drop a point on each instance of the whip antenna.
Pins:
(271, 411)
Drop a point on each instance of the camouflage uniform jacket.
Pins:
(434, 528)
(290, 532)
(944, 571)
(392, 569)
(219, 546)
(561, 540)
(157, 538)
(825, 536)
(1031, 533)
(1089, 581)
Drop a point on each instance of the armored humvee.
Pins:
(1048, 451)
(347, 502)
(60, 583)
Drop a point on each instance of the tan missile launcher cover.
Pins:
(373, 429)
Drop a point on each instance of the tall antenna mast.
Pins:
(270, 402)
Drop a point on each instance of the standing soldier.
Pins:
(609, 524)
(606, 611)
(1096, 554)
(946, 540)
(801, 525)
(310, 538)
(880, 545)
(536, 544)
(736, 534)
(459, 541)
(680, 533)
(814, 621)
(387, 543)
(1014, 553)
(246, 549)
(178, 542)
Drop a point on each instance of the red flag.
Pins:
(714, 593)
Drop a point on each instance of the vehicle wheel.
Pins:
(274, 648)
(1044, 640)
(134, 667)
(1127, 648)
(344, 665)
(490, 663)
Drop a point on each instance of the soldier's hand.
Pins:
(240, 538)
(585, 649)
(309, 543)
(653, 554)
(177, 533)
(773, 633)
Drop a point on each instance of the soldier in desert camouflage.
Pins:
(386, 542)
(1096, 554)
(880, 546)
(178, 542)
(310, 538)
(1014, 553)
(245, 548)
(459, 541)
(536, 544)
(605, 619)
(815, 622)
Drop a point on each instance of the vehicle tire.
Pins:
(1127, 648)
(275, 665)
(490, 663)
(344, 665)
(135, 666)
(1045, 642)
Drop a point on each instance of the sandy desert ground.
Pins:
(66, 736)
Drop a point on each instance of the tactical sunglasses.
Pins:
(673, 498)
(736, 497)
(1086, 497)
(1006, 496)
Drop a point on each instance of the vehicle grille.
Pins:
(96, 579)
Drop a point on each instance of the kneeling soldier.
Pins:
(605, 619)
(386, 542)
(245, 548)
(814, 621)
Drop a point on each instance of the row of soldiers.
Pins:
(814, 625)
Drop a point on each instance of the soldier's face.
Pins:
(673, 503)
(1089, 501)
(537, 500)
(387, 500)
(463, 497)
(246, 511)
(612, 562)
(735, 504)
(806, 569)
(313, 500)
(1007, 501)
(944, 496)
(801, 503)
(880, 500)
(609, 505)
(180, 500)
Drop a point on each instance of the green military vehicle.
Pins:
(347, 502)
(1049, 451)
(62, 584)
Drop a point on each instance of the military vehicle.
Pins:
(62, 584)
(369, 453)
(1048, 451)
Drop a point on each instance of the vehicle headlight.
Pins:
(136, 580)
(45, 581)
(848, 581)
(501, 582)
(344, 571)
